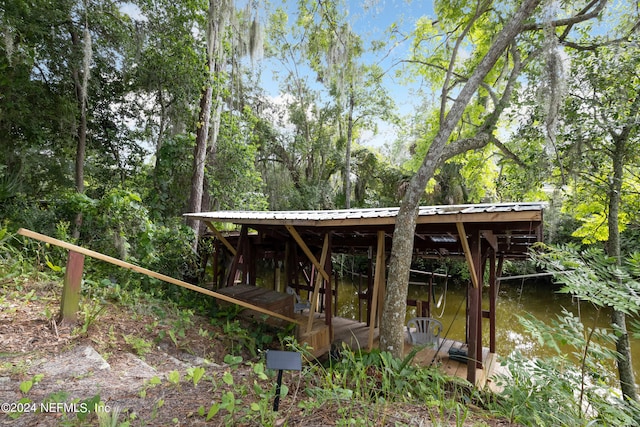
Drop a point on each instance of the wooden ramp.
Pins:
(77, 267)
(356, 335)
(272, 301)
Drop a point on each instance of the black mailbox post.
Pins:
(280, 361)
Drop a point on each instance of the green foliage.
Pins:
(139, 345)
(174, 378)
(380, 378)
(593, 276)
(195, 374)
(234, 181)
(25, 386)
(90, 312)
(568, 389)
(571, 388)
(171, 176)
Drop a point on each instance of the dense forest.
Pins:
(118, 117)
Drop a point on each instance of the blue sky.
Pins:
(371, 19)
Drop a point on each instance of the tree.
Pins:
(460, 80)
(298, 157)
(230, 35)
(335, 53)
(60, 71)
(218, 18)
(601, 130)
(163, 74)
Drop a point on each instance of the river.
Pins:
(515, 299)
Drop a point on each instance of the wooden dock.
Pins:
(356, 335)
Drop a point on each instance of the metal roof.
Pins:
(319, 216)
(513, 227)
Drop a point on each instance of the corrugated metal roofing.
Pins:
(369, 213)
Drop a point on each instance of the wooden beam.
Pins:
(233, 269)
(220, 237)
(307, 251)
(156, 275)
(467, 253)
(491, 239)
(378, 278)
(493, 296)
(316, 289)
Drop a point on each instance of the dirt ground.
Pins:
(126, 369)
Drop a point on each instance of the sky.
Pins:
(370, 19)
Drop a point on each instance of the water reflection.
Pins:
(515, 298)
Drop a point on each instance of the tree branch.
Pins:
(454, 56)
(595, 46)
(583, 15)
(485, 132)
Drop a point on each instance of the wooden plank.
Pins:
(377, 279)
(220, 237)
(467, 253)
(142, 270)
(316, 289)
(307, 251)
(268, 299)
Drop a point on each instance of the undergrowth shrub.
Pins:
(573, 387)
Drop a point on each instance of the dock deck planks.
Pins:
(356, 335)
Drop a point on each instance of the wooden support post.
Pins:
(480, 263)
(325, 260)
(71, 289)
(220, 237)
(382, 288)
(474, 331)
(378, 279)
(492, 301)
(216, 264)
(370, 285)
(467, 253)
(318, 264)
(250, 264)
(429, 298)
(316, 288)
(233, 271)
(277, 285)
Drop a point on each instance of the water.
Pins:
(514, 299)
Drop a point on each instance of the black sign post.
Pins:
(282, 360)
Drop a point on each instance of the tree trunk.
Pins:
(215, 58)
(200, 155)
(395, 304)
(618, 319)
(347, 157)
(80, 83)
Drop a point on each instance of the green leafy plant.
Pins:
(572, 387)
(25, 386)
(140, 346)
(195, 374)
(239, 338)
(153, 382)
(174, 377)
(90, 312)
